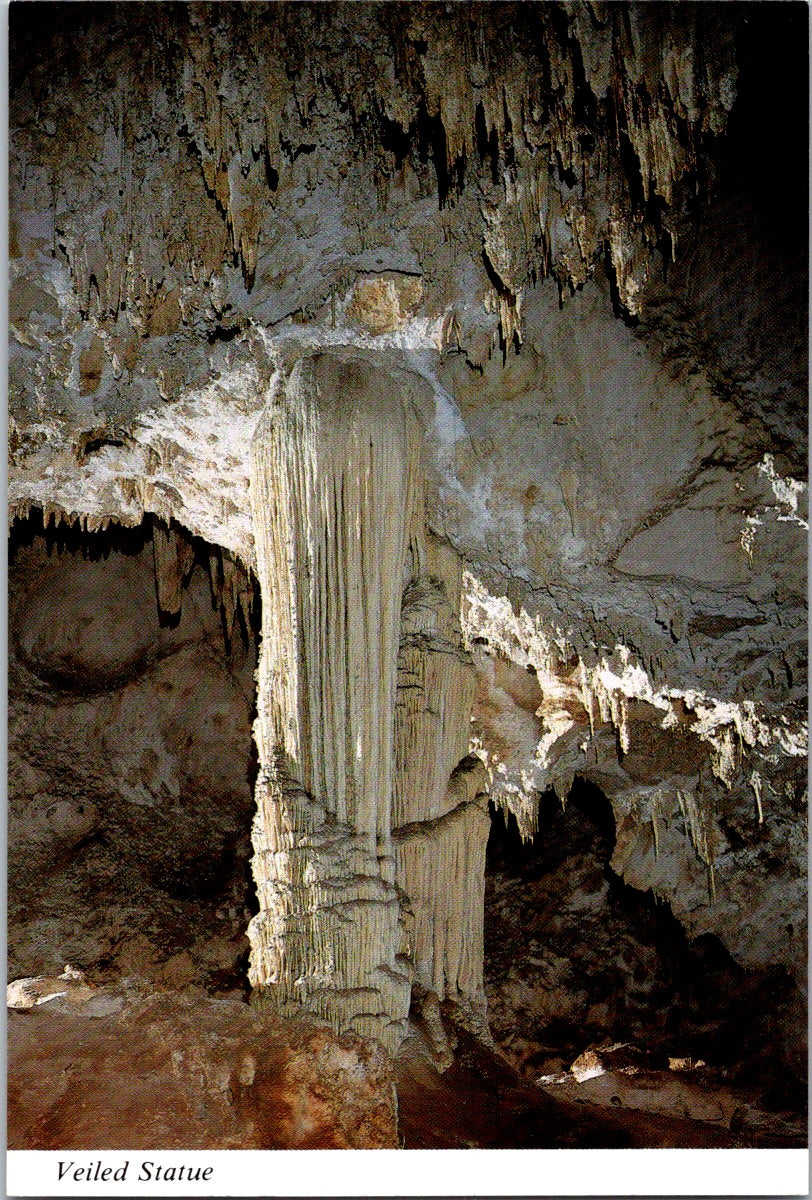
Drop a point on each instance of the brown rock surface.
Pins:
(129, 767)
(480, 1103)
(579, 965)
(173, 1071)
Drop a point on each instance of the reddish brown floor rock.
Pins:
(181, 1072)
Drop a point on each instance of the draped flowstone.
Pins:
(363, 707)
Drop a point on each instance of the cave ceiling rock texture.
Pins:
(548, 132)
(419, 229)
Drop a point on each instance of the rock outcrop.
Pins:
(174, 1072)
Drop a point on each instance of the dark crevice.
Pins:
(623, 965)
(293, 151)
(223, 333)
(432, 146)
(94, 445)
(395, 139)
(172, 806)
(71, 539)
(610, 275)
(632, 173)
(487, 143)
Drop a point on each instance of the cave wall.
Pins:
(537, 232)
(130, 764)
(577, 958)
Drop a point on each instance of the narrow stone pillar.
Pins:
(334, 483)
(441, 821)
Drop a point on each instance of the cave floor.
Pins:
(127, 1068)
(480, 1102)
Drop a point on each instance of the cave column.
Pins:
(440, 821)
(333, 493)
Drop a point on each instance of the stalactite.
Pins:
(435, 691)
(440, 815)
(698, 812)
(608, 687)
(168, 570)
(372, 824)
(604, 117)
(757, 786)
(656, 813)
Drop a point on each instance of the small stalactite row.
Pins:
(572, 128)
(230, 581)
(586, 692)
(174, 557)
(54, 515)
(231, 589)
(698, 812)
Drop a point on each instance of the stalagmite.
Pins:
(333, 485)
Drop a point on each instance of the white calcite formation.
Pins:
(353, 694)
(680, 768)
(440, 803)
(451, 291)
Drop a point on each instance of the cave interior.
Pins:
(407, 575)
